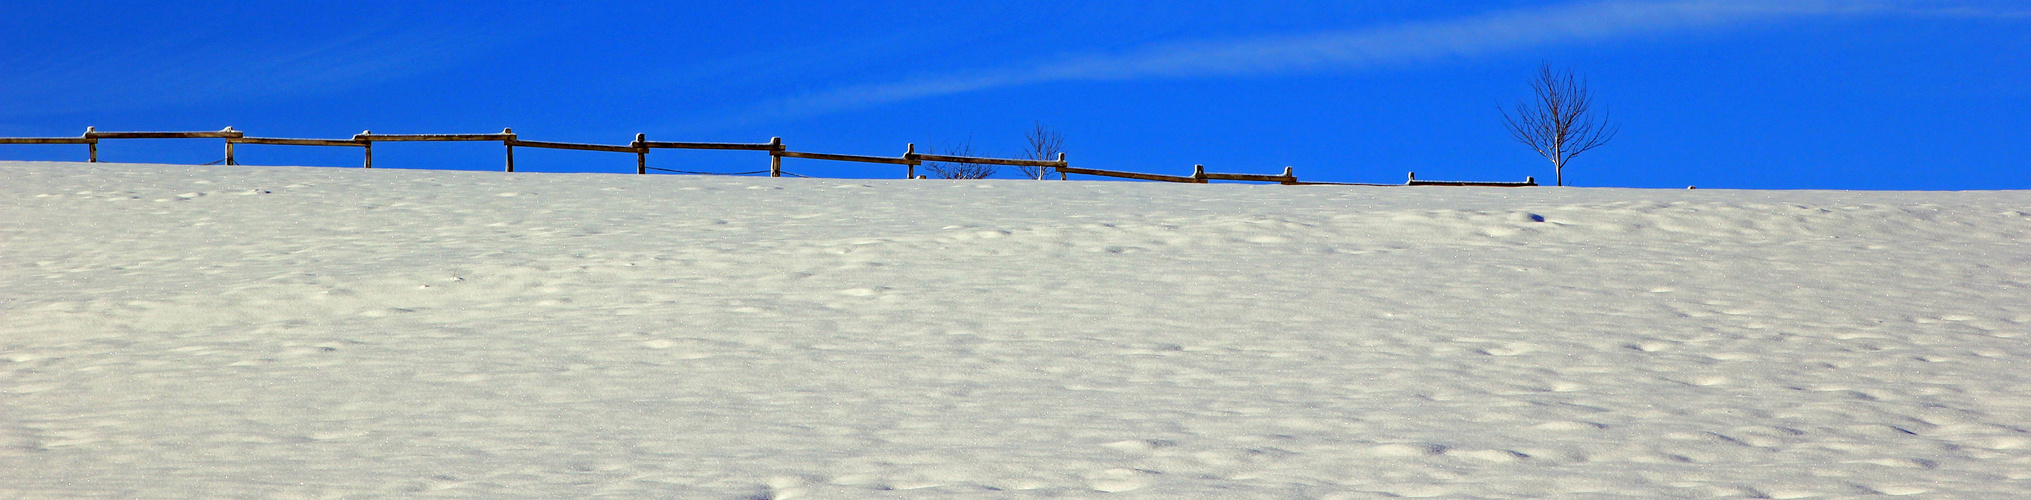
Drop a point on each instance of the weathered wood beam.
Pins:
(988, 161)
(297, 142)
(710, 145)
(573, 145)
(1321, 183)
(776, 162)
(1527, 182)
(1130, 175)
(222, 134)
(47, 140)
(1473, 183)
(1286, 178)
(834, 157)
(433, 137)
(641, 154)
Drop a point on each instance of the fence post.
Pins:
(775, 162)
(94, 144)
(641, 154)
(1061, 160)
(511, 149)
(229, 148)
(1199, 172)
(912, 173)
(369, 148)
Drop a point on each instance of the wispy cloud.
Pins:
(210, 71)
(1498, 32)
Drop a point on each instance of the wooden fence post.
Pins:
(775, 162)
(641, 154)
(912, 172)
(94, 145)
(369, 148)
(511, 149)
(229, 148)
(1061, 160)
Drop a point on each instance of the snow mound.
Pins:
(171, 331)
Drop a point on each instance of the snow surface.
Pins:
(276, 332)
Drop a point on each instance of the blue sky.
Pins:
(1764, 94)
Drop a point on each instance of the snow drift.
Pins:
(173, 331)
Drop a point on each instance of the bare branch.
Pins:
(959, 170)
(1044, 144)
(1561, 124)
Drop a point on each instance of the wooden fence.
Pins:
(641, 147)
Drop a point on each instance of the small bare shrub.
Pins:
(959, 170)
(1044, 144)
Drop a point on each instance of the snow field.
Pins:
(170, 331)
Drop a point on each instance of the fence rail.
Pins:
(1127, 175)
(576, 146)
(505, 135)
(47, 140)
(1414, 181)
(1288, 177)
(641, 147)
(838, 157)
(991, 161)
(298, 142)
(773, 145)
(228, 133)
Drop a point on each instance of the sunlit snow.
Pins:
(174, 331)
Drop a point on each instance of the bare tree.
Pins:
(1044, 145)
(1561, 124)
(959, 170)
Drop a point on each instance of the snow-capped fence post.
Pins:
(776, 162)
(641, 154)
(510, 144)
(370, 149)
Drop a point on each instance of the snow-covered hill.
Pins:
(174, 331)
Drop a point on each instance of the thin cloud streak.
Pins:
(1423, 41)
(204, 73)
